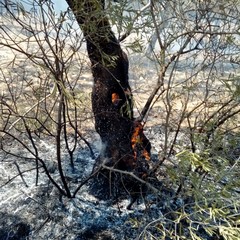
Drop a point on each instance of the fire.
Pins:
(115, 99)
(146, 154)
(138, 141)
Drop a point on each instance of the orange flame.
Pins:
(146, 154)
(115, 98)
(137, 138)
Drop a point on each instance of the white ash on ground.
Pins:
(40, 212)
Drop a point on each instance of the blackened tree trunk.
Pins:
(111, 96)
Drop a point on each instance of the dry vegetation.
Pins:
(193, 125)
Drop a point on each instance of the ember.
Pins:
(115, 99)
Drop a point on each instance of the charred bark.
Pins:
(111, 95)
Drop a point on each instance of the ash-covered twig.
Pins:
(86, 180)
(131, 174)
(19, 174)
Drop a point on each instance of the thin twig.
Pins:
(20, 173)
(128, 32)
(86, 180)
(131, 174)
(58, 145)
(11, 179)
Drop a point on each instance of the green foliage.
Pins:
(194, 160)
(210, 202)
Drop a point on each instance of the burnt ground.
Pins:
(40, 212)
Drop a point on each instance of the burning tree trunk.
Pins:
(112, 105)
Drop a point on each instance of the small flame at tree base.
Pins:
(140, 143)
(146, 154)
